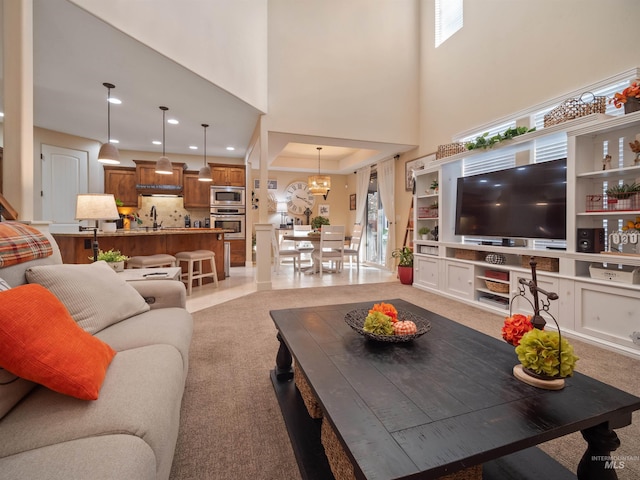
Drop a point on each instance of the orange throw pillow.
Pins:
(40, 341)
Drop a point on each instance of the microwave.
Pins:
(226, 196)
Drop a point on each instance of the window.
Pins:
(448, 19)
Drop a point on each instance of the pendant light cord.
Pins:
(108, 115)
(205, 144)
(109, 87)
(164, 109)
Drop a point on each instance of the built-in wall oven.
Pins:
(229, 218)
(227, 196)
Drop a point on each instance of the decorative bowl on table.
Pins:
(355, 319)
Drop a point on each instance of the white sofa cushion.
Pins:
(94, 294)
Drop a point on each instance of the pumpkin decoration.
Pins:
(404, 327)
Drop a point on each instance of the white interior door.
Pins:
(65, 173)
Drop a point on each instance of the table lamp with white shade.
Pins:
(95, 206)
(282, 210)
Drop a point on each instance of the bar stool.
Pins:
(197, 273)
(157, 260)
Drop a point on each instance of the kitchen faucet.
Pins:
(154, 215)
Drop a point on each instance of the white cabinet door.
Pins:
(609, 313)
(459, 279)
(426, 272)
(520, 305)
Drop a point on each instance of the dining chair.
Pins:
(279, 253)
(354, 247)
(331, 247)
(305, 247)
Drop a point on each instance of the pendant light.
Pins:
(319, 184)
(108, 152)
(163, 165)
(204, 175)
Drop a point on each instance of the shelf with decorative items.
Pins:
(426, 206)
(607, 187)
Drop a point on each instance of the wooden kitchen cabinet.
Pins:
(146, 175)
(121, 182)
(232, 175)
(196, 193)
(237, 252)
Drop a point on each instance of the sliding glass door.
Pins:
(377, 228)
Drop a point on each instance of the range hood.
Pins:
(154, 189)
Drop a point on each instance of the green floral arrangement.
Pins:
(111, 256)
(378, 323)
(538, 352)
(317, 222)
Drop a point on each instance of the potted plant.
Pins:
(405, 264)
(424, 233)
(317, 222)
(434, 186)
(629, 97)
(114, 259)
(623, 195)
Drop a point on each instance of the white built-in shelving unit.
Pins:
(597, 310)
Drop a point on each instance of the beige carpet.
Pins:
(231, 426)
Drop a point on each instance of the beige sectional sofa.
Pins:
(130, 430)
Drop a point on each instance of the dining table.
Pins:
(314, 239)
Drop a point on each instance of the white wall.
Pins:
(511, 55)
(223, 41)
(344, 69)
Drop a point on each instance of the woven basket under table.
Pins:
(342, 468)
(307, 395)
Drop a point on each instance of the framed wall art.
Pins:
(352, 201)
(410, 167)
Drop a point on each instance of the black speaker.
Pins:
(590, 240)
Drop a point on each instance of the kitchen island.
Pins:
(76, 247)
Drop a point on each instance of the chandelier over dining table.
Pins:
(319, 184)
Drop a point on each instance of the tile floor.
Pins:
(241, 281)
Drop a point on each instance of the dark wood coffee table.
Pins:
(437, 405)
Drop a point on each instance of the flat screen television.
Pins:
(521, 202)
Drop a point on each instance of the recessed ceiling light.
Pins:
(173, 121)
(157, 142)
(1, 114)
(114, 100)
(193, 147)
(113, 140)
(230, 148)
